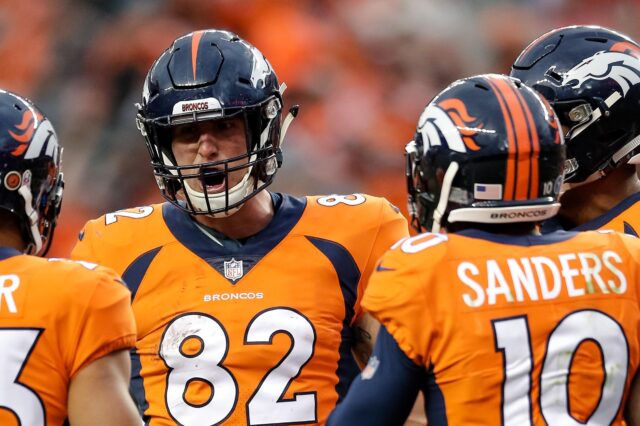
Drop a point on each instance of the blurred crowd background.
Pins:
(362, 71)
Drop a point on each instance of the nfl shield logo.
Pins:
(233, 269)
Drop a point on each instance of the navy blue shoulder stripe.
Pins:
(7, 252)
(630, 230)
(602, 220)
(349, 276)
(135, 272)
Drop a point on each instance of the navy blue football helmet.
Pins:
(591, 77)
(212, 75)
(31, 181)
(488, 149)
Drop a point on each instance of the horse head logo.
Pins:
(448, 121)
(619, 66)
(33, 134)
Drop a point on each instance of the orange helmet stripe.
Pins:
(526, 140)
(195, 42)
(535, 149)
(508, 193)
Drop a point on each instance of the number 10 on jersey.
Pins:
(513, 338)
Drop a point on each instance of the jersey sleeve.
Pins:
(393, 227)
(396, 297)
(107, 324)
(384, 393)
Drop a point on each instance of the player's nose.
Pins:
(208, 145)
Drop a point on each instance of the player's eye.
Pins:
(184, 132)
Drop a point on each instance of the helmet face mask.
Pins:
(227, 78)
(591, 77)
(488, 149)
(32, 183)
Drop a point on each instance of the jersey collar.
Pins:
(7, 252)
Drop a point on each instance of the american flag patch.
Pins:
(487, 191)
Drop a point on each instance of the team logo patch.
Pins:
(12, 181)
(370, 369)
(233, 269)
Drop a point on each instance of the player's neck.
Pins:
(587, 202)
(253, 217)
(10, 235)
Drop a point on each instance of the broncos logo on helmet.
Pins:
(591, 77)
(618, 66)
(32, 134)
(626, 47)
(23, 133)
(449, 121)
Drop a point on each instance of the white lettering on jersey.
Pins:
(541, 278)
(223, 297)
(6, 292)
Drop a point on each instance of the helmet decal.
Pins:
(23, 132)
(466, 124)
(43, 138)
(261, 67)
(626, 47)
(604, 65)
(449, 123)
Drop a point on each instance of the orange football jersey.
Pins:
(624, 217)
(516, 330)
(56, 316)
(245, 333)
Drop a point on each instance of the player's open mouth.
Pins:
(212, 180)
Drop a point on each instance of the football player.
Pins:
(495, 322)
(591, 77)
(246, 300)
(66, 328)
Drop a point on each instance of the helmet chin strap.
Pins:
(444, 196)
(218, 201)
(293, 113)
(25, 192)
